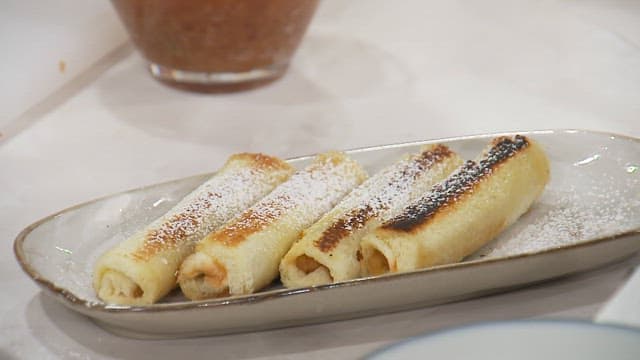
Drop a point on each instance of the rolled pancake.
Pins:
(142, 269)
(328, 251)
(243, 256)
(463, 213)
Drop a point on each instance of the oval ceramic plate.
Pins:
(588, 216)
(523, 340)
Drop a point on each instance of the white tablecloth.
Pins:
(368, 73)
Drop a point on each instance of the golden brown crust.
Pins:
(169, 234)
(427, 159)
(255, 219)
(358, 218)
(250, 222)
(458, 185)
(253, 243)
(261, 161)
(342, 227)
(181, 225)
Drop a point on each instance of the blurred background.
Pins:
(366, 73)
(81, 117)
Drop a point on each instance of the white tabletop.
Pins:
(368, 73)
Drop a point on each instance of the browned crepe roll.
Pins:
(142, 269)
(328, 251)
(243, 256)
(462, 213)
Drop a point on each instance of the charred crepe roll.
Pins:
(243, 256)
(462, 213)
(142, 269)
(328, 251)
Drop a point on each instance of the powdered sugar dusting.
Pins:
(576, 207)
(209, 206)
(410, 180)
(386, 193)
(312, 191)
(598, 197)
(461, 182)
